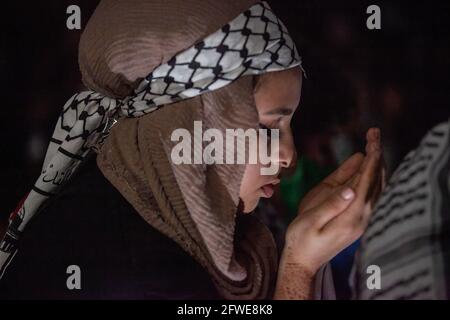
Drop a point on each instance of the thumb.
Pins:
(333, 206)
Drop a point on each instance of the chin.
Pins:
(250, 205)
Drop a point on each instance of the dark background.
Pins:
(396, 78)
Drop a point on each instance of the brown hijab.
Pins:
(195, 205)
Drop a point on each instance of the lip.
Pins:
(269, 189)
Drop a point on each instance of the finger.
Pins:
(373, 144)
(373, 136)
(374, 194)
(376, 187)
(335, 204)
(367, 213)
(354, 181)
(368, 176)
(379, 183)
(353, 220)
(338, 178)
(345, 171)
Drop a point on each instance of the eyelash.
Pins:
(272, 125)
(268, 135)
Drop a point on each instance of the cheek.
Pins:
(287, 137)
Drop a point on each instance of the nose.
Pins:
(287, 152)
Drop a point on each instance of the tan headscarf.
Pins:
(195, 205)
(126, 39)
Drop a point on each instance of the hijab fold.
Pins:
(195, 205)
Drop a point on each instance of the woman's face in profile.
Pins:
(277, 95)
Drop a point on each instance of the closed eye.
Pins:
(267, 131)
(282, 111)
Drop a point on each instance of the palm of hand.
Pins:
(346, 174)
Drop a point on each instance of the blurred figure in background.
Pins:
(407, 239)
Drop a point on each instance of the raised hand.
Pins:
(336, 212)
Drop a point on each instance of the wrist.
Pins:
(289, 259)
(294, 281)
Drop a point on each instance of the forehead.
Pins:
(278, 89)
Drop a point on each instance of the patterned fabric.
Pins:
(408, 237)
(255, 42)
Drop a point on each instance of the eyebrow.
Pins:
(283, 111)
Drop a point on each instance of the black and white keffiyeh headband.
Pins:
(253, 43)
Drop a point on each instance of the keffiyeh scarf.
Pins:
(407, 239)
